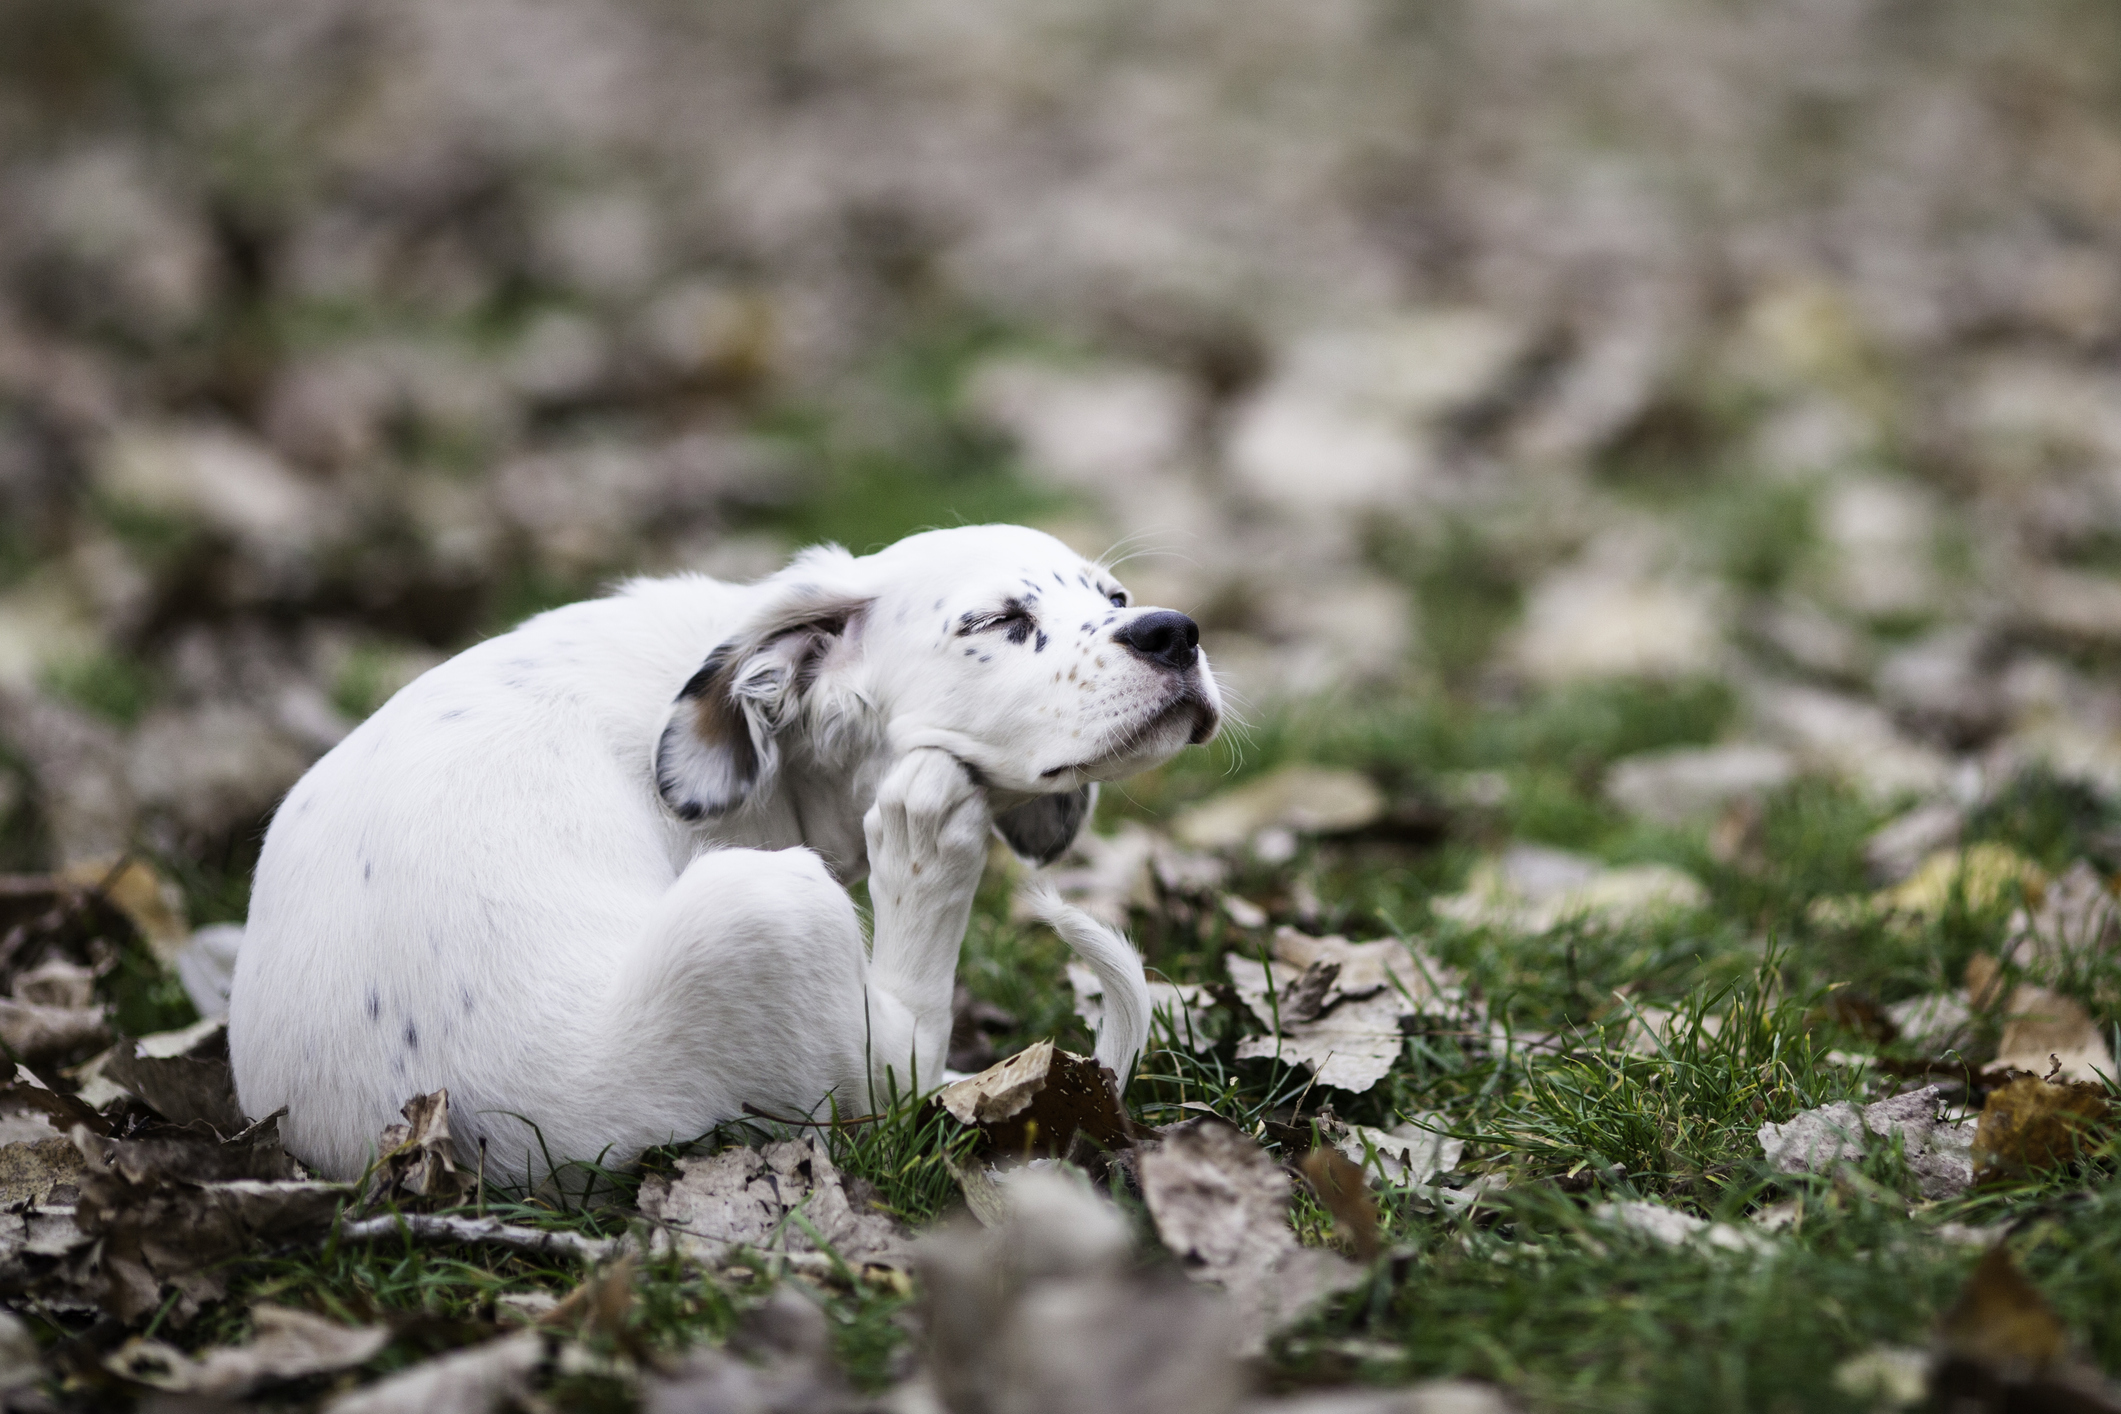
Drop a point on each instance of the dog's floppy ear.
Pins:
(719, 741)
(1041, 830)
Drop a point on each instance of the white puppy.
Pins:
(597, 887)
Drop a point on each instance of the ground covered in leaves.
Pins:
(1711, 1115)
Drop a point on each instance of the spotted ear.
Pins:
(721, 739)
(1041, 830)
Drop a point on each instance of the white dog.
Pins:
(596, 887)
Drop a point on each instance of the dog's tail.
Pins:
(1118, 966)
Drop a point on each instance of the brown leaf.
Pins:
(2031, 1124)
(183, 1076)
(167, 1212)
(417, 1160)
(1221, 1205)
(1038, 1101)
(40, 1172)
(2002, 1322)
(1339, 1184)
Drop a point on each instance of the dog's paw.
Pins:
(930, 822)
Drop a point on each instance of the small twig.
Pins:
(482, 1232)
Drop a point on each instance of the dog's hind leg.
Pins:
(927, 836)
(746, 987)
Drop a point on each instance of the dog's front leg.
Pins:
(927, 838)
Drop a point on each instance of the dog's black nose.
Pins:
(1164, 636)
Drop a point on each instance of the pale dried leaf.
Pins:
(1302, 799)
(1675, 1229)
(2044, 1029)
(288, 1345)
(770, 1199)
(474, 1381)
(1221, 1205)
(1404, 1154)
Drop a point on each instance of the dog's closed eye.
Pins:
(1014, 617)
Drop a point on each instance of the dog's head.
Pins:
(995, 643)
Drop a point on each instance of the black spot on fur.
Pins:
(412, 1037)
(469, 1003)
(368, 870)
(375, 1005)
(1041, 642)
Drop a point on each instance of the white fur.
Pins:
(483, 887)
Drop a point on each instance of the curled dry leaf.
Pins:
(288, 1345)
(1338, 1182)
(1038, 1102)
(783, 1198)
(1346, 1003)
(485, 1377)
(2029, 1124)
(1939, 1154)
(183, 1076)
(417, 1161)
(1221, 1205)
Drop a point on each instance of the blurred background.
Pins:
(1427, 351)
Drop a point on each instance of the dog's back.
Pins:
(397, 882)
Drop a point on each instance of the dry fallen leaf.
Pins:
(1037, 1102)
(183, 1076)
(1674, 1229)
(1304, 800)
(2044, 1030)
(40, 1172)
(2002, 1322)
(166, 1212)
(1339, 1005)
(288, 1345)
(1407, 1153)
(1816, 1140)
(1532, 889)
(786, 1197)
(1047, 1309)
(778, 1359)
(417, 1161)
(1221, 1205)
(474, 1381)
(1338, 1182)
(153, 904)
(2030, 1124)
